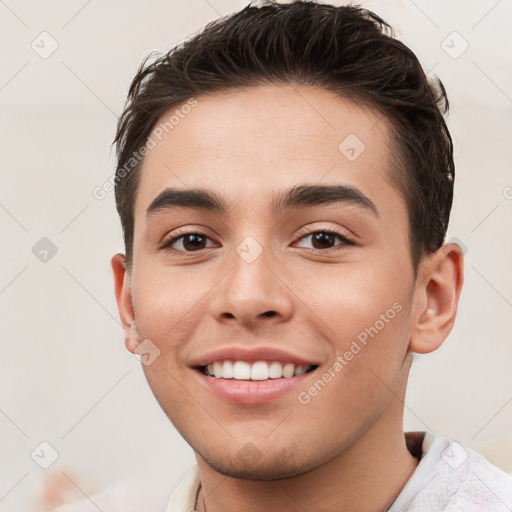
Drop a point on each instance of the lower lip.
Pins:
(251, 392)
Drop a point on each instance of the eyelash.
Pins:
(167, 245)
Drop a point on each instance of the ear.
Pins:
(124, 300)
(436, 298)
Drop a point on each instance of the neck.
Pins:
(368, 476)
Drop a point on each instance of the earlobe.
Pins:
(436, 297)
(124, 300)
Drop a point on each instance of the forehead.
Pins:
(247, 143)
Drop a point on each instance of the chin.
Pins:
(251, 464)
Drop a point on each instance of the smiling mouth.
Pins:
(258, 370)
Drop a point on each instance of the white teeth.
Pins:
(217, 368)
(300, 370)
(227, 370)
(288, 370)
(275, 370)
(241, 370)
(259, 370)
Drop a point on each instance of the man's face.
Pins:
(293, 286)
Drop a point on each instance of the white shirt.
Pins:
(448, 478)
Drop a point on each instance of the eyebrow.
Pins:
(299, 196)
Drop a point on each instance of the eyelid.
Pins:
(345, 241)
(180, 233)
(343, 233)
(303, 233)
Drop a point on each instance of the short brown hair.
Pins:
(346, 49)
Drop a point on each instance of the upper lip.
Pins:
(253, 354)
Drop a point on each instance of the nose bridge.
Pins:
(251, 288)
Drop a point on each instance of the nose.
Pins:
(252, 293)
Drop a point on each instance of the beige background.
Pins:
(66, 376)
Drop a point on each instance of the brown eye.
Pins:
(322, 240)
(188, 242)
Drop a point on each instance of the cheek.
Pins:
(365, 319)
(346, 301)
(167, 303)
(356, 386)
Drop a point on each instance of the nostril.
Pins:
(269, 313)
